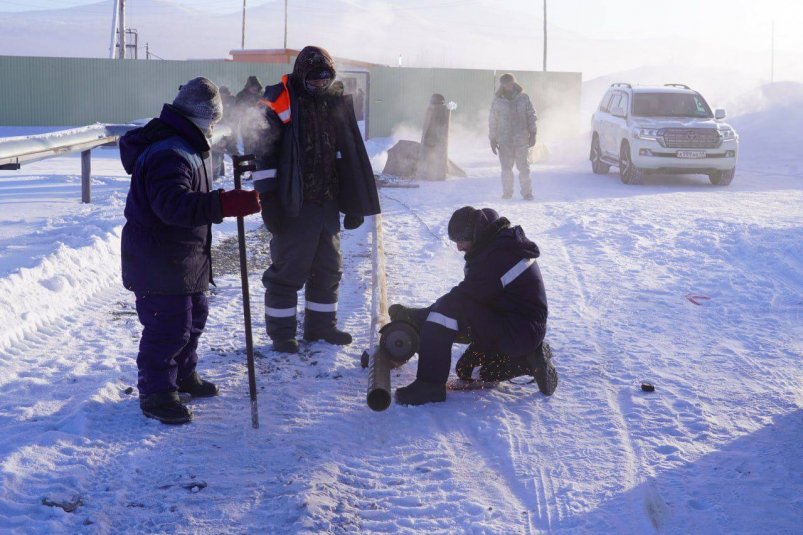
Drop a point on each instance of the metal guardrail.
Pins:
(17, 151)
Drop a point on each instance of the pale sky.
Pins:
(749, 19)
(737, 30)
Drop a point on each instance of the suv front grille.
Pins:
(691, 138)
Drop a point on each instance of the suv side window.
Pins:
(623, 103)
(614, 101)
(603, 106)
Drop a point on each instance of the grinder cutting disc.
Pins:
(399, 340)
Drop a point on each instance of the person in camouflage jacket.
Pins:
(512, 130)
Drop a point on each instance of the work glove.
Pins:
(532, 139)
(239, 202)
(351, 221)
(494, 146)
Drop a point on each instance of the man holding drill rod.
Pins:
(311, 166)
(500, 306)
(167, 241)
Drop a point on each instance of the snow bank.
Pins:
(37, 296)
(771, 136)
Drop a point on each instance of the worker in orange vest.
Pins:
(311, 166)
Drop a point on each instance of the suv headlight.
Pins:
(727, 133)
(647, 133)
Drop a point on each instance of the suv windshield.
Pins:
(670, 105)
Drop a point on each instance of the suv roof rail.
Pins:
(682, 86)
(621, 84)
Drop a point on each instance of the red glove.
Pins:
(239, 202)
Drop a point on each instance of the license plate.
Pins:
(691, 154)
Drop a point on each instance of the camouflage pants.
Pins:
(509, 155)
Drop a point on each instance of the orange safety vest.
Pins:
(280, 106)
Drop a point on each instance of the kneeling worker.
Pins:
(500, 306)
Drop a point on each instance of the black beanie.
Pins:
(507, 78)
(461, 224)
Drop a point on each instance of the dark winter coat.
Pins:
(248, 114)
(512, 118)
(171, 205)
(501, 272)
(282, 155)
(245, 97)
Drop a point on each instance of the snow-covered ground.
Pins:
(715, 449)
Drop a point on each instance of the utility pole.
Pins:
(242, 40)
(772, 56)
(121, 28)
(147, 51)
(285, 24)
(544, 35)
(113, 40)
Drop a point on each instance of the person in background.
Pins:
(500, 306)
(229, 144)
(166, 244)
(359, 104)
(249, 114)
(311, 165)
(433, 160)
(512, 130)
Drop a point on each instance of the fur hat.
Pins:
(199, 100)
(507, 78)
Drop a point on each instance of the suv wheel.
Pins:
(597, 165)
(722, 178)
(628, 172)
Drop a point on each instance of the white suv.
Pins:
(665, 129)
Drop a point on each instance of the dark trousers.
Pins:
(172, 325)
(490, 331)
(305, 253)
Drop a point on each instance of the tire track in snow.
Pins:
(632, 455)
(136, 474)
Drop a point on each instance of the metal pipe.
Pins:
(378, 394)
(15, 151)
(29, 149)
(378, 397)
(19, 150)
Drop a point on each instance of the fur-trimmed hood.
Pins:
(517, 90)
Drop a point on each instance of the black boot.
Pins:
(505, 368)
(285, 345)
(331, 335)
(419, 392)
(197, 387)
(165, 407)
(544, 372)
(471, 358)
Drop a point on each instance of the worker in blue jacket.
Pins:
(500, 306)
(167, 241)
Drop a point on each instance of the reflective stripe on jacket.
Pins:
(281, 105)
